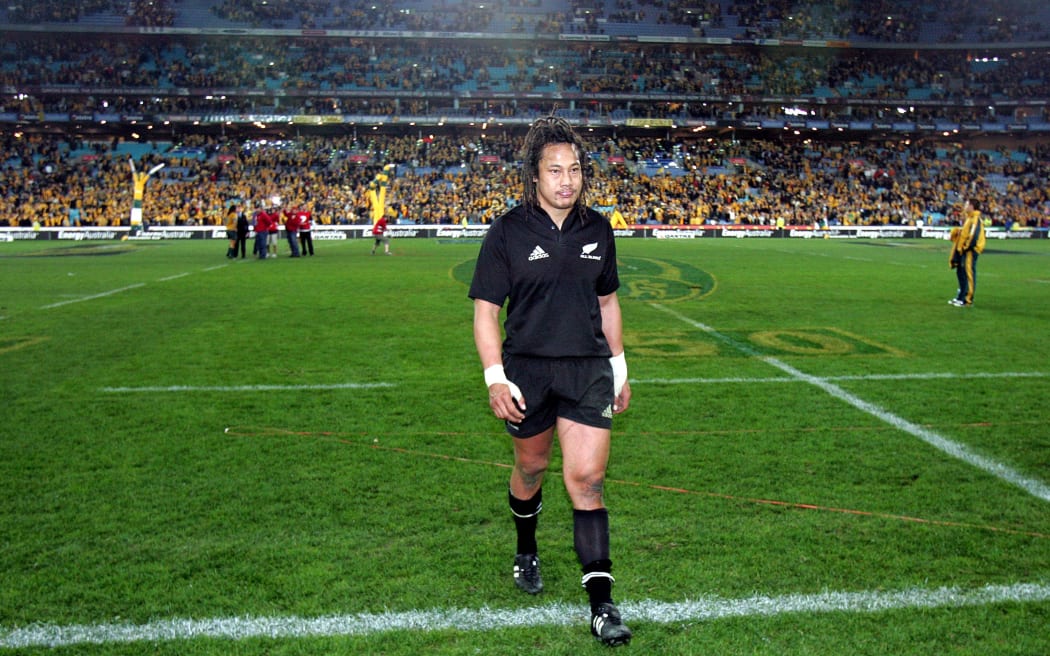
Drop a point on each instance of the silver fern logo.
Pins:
(588, 252)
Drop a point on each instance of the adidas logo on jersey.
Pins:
(538, 254)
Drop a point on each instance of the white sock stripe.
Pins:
(596, 575)
(538, 509)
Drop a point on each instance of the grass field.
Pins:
(822, 456)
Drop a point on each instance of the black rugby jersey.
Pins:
(552, 278)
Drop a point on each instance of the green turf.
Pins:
(363, 472)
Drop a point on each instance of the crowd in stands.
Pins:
(48, 182)
(151, 75)
(136, 13)
(888, 21)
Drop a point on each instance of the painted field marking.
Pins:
(1033, 486)
(174, 277)
(779, 379)
(92, 297)
(22, 343)
(492, 619)
(245, 388)
(124, 289)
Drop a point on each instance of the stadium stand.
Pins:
(706, 111)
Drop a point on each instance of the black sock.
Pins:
(591, 537)
(526, 515)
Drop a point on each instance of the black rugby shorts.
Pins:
(578, 389)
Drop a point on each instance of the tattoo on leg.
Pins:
(595, 490)
(531, 481)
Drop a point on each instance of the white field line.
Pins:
(124, 289)
(245, 388)
(778, 379)
(491, 619)
(174, 277)
(93, 296)
(1033, 486)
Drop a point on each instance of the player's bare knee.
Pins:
(531, 474)
(587, 493)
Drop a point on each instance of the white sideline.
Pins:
(490, 619)
(1033, 486)
(124, 289)
(93, 296)
(245, 388)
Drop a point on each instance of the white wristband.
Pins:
(619, 367)
(495, 375)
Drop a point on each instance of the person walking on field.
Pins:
(560, 368)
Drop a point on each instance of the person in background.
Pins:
(966, 247)
(138, 192)
(74, 213)
(231, 231)
(274, 227)
(291, 230)
(553, 260)
(306, 240)
(379, 232)
(243, 228)
(263, 221)
(375, 197)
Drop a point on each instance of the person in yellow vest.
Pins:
(377, 194)
(231, 231)
(967, 245)
(138, 182)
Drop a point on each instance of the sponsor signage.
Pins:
(475, 231)
(650, 122)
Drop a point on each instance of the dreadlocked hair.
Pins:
(544, 132)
